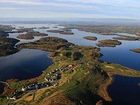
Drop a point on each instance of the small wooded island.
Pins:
(125, 37)
(62, 31)
(30, 35)
(137, 50)
(22, 29)
(93, 38)
(108, 43)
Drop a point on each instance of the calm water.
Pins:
(122, 55)
(125, 91)
(24, 64)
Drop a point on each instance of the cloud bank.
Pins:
(70, 9)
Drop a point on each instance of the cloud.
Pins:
(29, 2)
(70, 8)
(99, 2)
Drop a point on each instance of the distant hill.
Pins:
(89, 21)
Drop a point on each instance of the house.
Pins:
(23, 89)
(54, 85)
(15, 95)
(46, 79)
(70, 66)
(11, 98)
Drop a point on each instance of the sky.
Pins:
(70, 9)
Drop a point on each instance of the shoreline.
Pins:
(136, 50)
(5, 87)
(103, 90)
(122, 71)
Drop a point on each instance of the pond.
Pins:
(25, 64)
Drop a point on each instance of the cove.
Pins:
(125, 90)
(25, 64)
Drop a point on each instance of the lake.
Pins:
(25, 64)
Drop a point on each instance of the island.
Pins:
(30, 35)
(93, 38)
(54, 31)
(7, 46)
(25, 36)
(108, 43)
(106, 29)
(76, 76)
(47, 44)
(136, 50)
(22, 29)
(67, 33)
(62, 31)
(125, 37)
(43, 27)
(107, 33)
